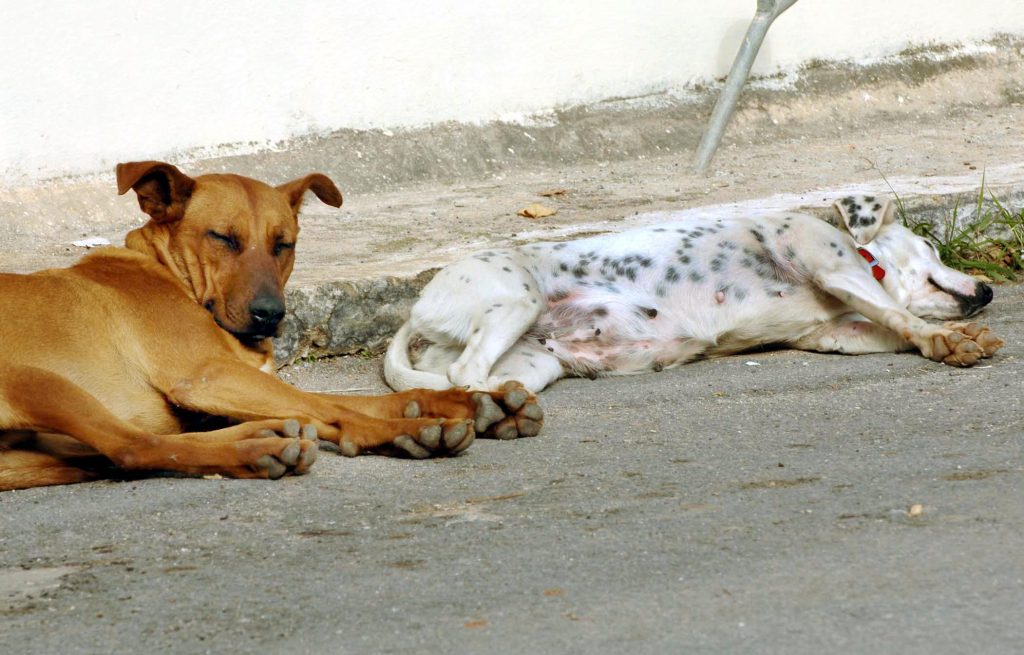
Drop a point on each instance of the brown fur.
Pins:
(132, 352)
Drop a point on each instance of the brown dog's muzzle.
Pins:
(265, 314)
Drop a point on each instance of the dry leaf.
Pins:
(550, 193)
(554, 592)
(475, 623)
(536, 210)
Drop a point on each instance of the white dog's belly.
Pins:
(593, 332)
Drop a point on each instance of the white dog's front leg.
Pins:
(859, 291)
(851, 336)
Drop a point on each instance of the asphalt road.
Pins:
(719, 507)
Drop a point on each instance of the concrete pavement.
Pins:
(719, 507)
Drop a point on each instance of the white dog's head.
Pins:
(914, 274)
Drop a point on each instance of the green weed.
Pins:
(991, 242)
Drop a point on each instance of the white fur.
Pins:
(656, 297)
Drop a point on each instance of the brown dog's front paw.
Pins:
(288, 448)
(447, 437)
(508, 413)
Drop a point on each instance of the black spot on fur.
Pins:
(600, 311)
(563, 266)
(695, 276)
(650, 311)
(506, 269)
(559, 246)
(757, 235)
(671, 275)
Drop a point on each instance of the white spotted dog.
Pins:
(655, 297)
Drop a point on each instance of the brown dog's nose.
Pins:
(265, 313)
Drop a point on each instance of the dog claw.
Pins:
(465, 443)
(291, 428)
(409, 445)
(430, 436)
(515, 395)
(527, 427)
(455, 435)
(272, 466)
(307, 459)
(506, 429)
(533, 412)
(348, 448)
(290, 455)
(309, 432)
(487, 411)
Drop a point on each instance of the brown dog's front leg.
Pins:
(507, 413)
(232, 389)
(36, 399)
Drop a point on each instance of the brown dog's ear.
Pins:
(162, 189)
(318, 183)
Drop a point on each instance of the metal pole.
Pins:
(767, 12)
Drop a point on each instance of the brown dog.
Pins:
(133, 352)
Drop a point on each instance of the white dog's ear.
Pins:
(864, 216)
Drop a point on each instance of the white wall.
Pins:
(86, 84)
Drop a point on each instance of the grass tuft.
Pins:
(990, 243)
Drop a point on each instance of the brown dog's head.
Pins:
(229, 239)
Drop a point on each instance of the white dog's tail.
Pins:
(399, 372)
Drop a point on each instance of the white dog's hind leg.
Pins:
(529, 364)
(496, 327)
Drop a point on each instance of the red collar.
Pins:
(876, 269)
